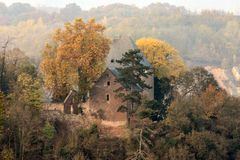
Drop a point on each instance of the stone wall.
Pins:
(103, 99)
(54, 107)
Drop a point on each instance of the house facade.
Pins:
(121, 45)
(103, 99)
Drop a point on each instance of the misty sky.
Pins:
(194, 5)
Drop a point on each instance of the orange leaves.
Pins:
(82, 44)
(78, 45)
(212, 99)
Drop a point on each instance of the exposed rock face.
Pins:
(228, 79)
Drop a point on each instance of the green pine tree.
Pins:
(131, 74)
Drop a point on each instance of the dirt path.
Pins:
(114, 129)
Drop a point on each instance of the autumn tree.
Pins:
(212, 100)
(49, 132)
(189, 129)
(59, 76)
(27, 92)
(83, 47)
(23, 116)
(3, 85)
(2, 114)
(164, 58)
(227, 124)
(17, 63)
(24, 131)
(7, 154)
(132, 70)
(13, 63)
(194, 82)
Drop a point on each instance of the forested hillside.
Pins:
(66, 105)
(206, 38)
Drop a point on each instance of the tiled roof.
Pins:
(117, 75)
(120, 46)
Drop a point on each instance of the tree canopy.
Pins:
(132, 72)
(206, 38)
(164, 58)
(75, 57)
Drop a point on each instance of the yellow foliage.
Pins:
(164, 58)
(83, 45)
(28, 92)
(76, 57)
(59, 76)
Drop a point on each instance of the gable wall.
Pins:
(119, 46)
(98, 98)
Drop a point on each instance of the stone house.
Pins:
(71, 103)
(102, 97)
(119, 46)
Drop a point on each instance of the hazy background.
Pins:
(193, 5)
(205, 32)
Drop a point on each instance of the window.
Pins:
(107, 97)
(108, 83)
(112, 60)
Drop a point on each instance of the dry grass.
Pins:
(107, 128)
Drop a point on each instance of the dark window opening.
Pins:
(108, 83)
(107, 97)
(112, 60)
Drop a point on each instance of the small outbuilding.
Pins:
(71, 103)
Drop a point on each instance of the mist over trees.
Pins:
(207, 38)
(191, 117)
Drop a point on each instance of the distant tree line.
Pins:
(191, 117)
(206, 38)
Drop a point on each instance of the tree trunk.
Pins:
(128, 119)
(15, 144)
(3, 64)
(140, 141)
(79, 82)
(80, 96)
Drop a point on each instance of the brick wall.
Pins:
(103, 97)
(53, 107)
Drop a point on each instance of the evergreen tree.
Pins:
(156, 110)
(131, 74)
